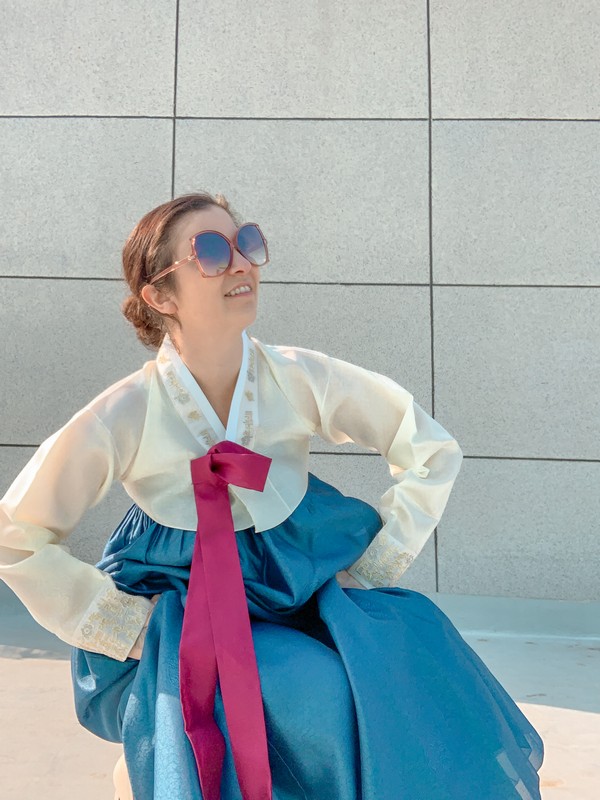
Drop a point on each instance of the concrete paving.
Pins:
(545, 653)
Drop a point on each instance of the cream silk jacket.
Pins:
(145, 429)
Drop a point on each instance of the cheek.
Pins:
(198, 294)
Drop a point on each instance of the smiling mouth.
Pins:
(240, 293)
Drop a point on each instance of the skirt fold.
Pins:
(368, 694)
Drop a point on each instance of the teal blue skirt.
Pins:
(368, 694)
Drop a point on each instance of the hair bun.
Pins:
(149, 326)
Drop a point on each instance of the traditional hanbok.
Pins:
(261, 677)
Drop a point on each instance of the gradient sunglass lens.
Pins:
(212, 250)
(252, 245)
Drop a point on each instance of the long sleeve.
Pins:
(70, 472)
(372, 410)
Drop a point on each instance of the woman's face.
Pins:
(203, 304)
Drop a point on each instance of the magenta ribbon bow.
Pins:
(216, 638)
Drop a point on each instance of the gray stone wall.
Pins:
(428, 177)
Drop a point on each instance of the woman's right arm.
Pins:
(70, 472)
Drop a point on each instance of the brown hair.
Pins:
(148, 249)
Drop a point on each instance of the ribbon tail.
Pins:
(198, 681)
(236, 660)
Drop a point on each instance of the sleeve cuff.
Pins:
(113, 622)
(383, 563)
(360, 578)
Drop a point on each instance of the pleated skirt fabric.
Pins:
(368, 694)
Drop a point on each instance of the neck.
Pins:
(213, 358)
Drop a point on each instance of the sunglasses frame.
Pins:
(194, 256)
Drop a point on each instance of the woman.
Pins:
(226, 637)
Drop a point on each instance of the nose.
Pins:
(239, 262)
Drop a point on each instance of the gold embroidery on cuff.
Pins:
(114, 623)
(383, 562)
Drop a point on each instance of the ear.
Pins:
(159, 300)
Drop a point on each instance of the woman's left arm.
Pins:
(370, 409)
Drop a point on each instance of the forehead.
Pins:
(212, 218)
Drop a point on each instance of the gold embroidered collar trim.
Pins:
(193, 406)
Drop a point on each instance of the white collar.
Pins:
(193, 406)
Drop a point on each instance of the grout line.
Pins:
(475, 457)
(175, 62)
(82, 278)
(377, 455)
(430, 235)
(173, 160)
(85, 116)
(334, 283)
(534, 458)
(516, 119)
(304, 119)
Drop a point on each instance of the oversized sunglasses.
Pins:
(213, 251)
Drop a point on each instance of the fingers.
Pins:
(348, 581)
